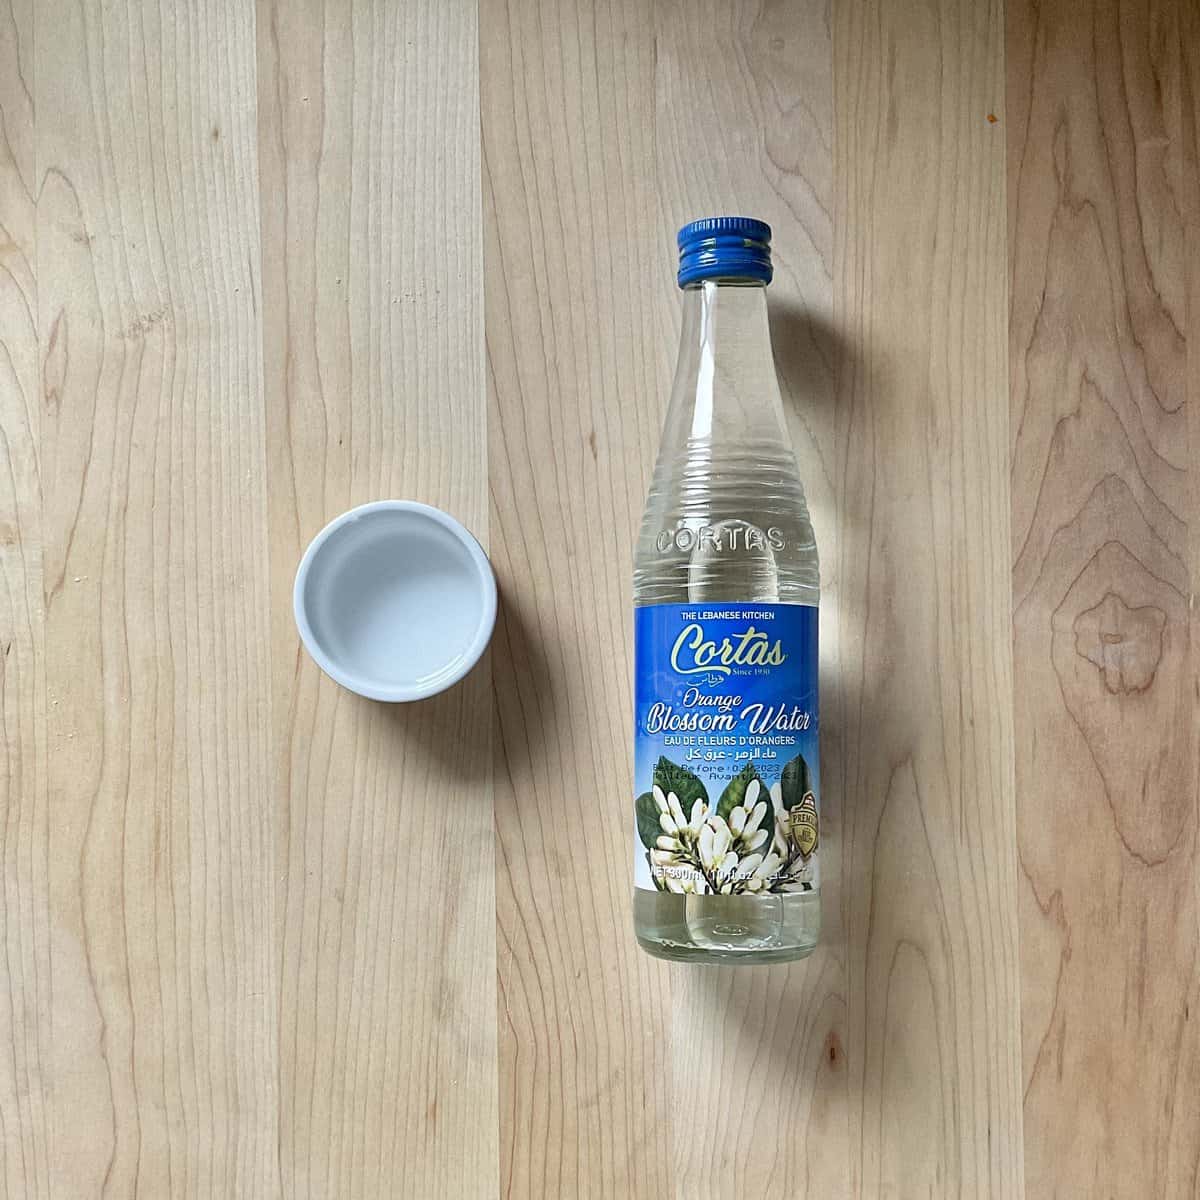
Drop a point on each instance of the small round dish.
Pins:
(395, 600)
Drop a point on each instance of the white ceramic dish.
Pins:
(395, 600)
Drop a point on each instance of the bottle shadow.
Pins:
(790, 1019)
(810, 356)
(809, 351)
(815, 360)
(785, 1021)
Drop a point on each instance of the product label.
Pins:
(725, 757)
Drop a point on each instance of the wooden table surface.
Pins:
(259, 263)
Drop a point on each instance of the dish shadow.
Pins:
(449, 733)
(523, 690)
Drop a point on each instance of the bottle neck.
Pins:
(719, 314)
(725, 379)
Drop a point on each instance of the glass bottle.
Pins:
(726, 591)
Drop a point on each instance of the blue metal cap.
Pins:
(724, 248)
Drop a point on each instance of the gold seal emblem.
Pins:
(802, 822)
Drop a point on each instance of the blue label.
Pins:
(725, 759)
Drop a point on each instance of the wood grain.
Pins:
(574, 376)
(923, 513)
(259, 263)
(24, 814)
(1102, 232)
(159, 1034)
(369, 153)
(750, 130)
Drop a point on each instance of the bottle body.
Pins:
(726, 592)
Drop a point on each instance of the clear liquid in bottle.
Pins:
(726, 591)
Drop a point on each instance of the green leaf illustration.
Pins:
(673, 778)
(647, 820)
(735, 792)
(795, 782)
